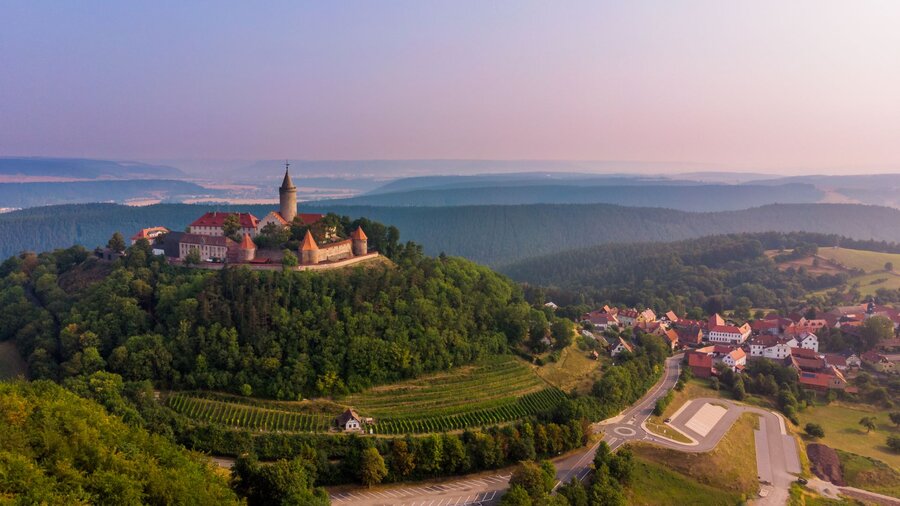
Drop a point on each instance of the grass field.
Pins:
(870, 283)
(11, 363)
(869, 474)
(654, 484)
(731, 466)
(574, 370)
(869, 261)
(501, 389)
(843, 431)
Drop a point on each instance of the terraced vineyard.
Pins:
(498, 390)
(501, 389)
(233, 413)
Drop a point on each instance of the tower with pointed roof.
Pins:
(287, 196)
(309, 250)
(360, 242)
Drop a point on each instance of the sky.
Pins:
(791, 87)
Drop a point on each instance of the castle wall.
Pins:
(335, 251)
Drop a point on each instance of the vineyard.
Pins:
(499, 390)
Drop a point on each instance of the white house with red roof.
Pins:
(735, 359)
(621, 346)
(148, 233)
(721, 332)
(212, 224)
(769, 346)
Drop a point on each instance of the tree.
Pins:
(371, 468)
(402, 460)
(516, 496)
(116, 242)
(815, 430)
(874, 330)
(231, 225)
(893, 442)
(868, 422)
(574, 493)
(289, 259)
(561, 329)
(533, 478)
(738, 390)
(889, 266)
(193, 257)
(895, 417)
(621, 466)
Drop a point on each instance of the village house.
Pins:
(735, 359)
(212, 224)
(720, 332)
(349, 421)
(671, 338)
(600, 320)
(689, 335)
(627, 317)
(621, 346)
(769, 346)
(149, 233)
(701, 364)
(878, 362)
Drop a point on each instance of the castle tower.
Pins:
(287, 196)
(247, 249)
(309, 250)
(360, 242)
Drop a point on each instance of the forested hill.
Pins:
(494, 235)
(711, 273)
(275, 334)
(41, 194)
(672, 196)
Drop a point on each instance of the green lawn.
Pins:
(869, 261)
(11, 363)
(869, 474)
(654, 484)
(843, 432)
(731, 466)
(574, 370)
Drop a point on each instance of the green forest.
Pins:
(59, 448)
(698, 276)
(284, 335)
(492, 235)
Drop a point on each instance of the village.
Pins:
(712, 345)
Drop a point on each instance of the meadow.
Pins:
(843, 431)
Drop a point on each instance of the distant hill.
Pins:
(675, 195)
(494, 235)
(81, 168)
(23, 195)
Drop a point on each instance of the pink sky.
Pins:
(795, 86)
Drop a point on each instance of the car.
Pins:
(667, 420)
(802, 481)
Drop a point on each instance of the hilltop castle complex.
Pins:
(207, 237)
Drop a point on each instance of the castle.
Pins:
(207, 238)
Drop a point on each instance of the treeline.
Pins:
(284, 335)
(697, 276)
(58, 448)
(685, 197)
(494, 235)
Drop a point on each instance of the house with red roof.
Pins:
(769, 346)
(689, 335)
(213, 224)
(620, 347)
(701, 364)
(721, 332)
(600, 320)
(150, 234)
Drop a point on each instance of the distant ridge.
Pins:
(493, 235)
(83, 168)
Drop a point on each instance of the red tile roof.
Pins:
(358, 234)
(309, 218)
(309, 244)
(247, 242)
(217, 219)
(700, 360)
(145, 232)
(804, 353)
(206, 240)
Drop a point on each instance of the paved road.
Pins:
(776, 455)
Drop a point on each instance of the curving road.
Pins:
(776, 453)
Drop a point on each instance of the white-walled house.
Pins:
(809, 341)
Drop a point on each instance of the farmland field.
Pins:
(499, 390)
(869, 261)
(843, 431)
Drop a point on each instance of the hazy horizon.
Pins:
(808, 87)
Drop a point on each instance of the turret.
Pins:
(309, 250)
(247, 249)
(360, 242)
(287, 197)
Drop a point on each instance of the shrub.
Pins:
(815, 430)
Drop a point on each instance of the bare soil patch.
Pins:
(825, 463)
